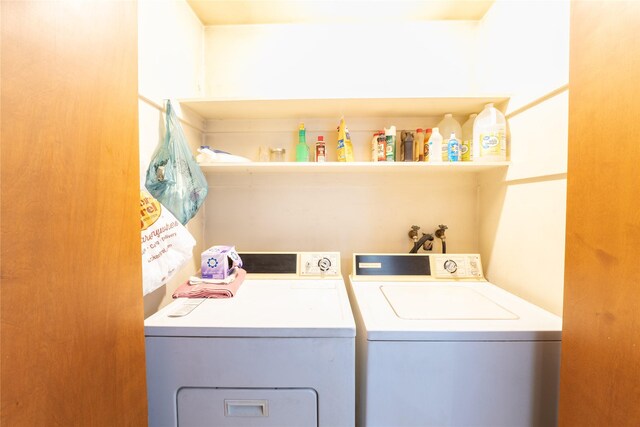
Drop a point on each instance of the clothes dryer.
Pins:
(279, 353)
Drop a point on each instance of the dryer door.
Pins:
(231, 407)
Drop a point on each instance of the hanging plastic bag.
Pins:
(173, 177)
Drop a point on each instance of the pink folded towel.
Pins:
(211, 290)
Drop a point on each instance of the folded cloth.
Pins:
(210, 290)
(195, 280)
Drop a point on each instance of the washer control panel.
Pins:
(457, 266)
(320, 264)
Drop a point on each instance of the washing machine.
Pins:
(438, 345)
(281, 352)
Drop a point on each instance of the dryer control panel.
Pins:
(319, 263)
(456, 266)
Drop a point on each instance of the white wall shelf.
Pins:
(229, 109)
(352, 167)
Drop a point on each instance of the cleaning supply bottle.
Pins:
(490, 135)
(446, 126)
(302, 149)
(466, 147)
(382, 147)
(453, 148)
(435, 146)
(321, 149)
(374, 147)
(390, 136)
(407, 145)
(418, 146)
(427, 136)
(345, 148)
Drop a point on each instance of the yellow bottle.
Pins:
(345, 148)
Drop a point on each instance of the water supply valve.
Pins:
(426, 241)
(440, 235)
(413, 233)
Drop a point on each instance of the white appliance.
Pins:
(438, 345)
(281, 352)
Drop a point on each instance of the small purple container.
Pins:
(218, 262)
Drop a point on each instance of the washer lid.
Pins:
(448, 311)
(291, 308)
(443, 302)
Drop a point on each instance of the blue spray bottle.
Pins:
(453, 148)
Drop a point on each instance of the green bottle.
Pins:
(302, 149)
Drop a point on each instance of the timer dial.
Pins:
(451, 266)
(324, 264)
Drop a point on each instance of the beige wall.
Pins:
(357, 60)
(170, 43)
(170, 66)
(522, 214)
(523, 49)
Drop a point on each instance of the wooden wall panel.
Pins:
(600, 374)
(72, 315)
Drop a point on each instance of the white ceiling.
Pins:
(236, 12)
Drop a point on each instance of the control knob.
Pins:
(324, 264)
(451, 266)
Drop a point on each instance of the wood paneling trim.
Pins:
(600, 373)
(72, 316)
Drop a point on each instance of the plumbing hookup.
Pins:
(426, 240)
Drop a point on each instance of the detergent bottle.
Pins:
(446, 126)
(490, 135)
(466, 146)
(435, 146)
(302, 149)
